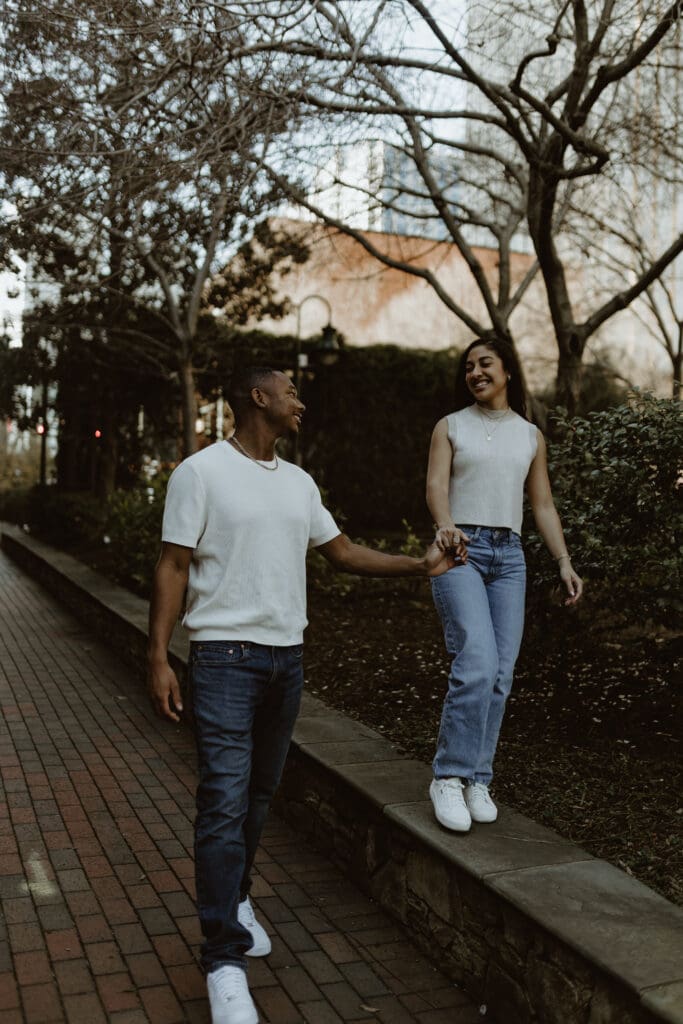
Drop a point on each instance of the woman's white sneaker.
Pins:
(449, 804)
(261, 945)
(481, 807)
(229, 997)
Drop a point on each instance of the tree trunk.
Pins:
(188, 406)
(568, 381)
(677, 387)
(106, 477)
(540, 212)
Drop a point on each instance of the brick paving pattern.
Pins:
(96, 875)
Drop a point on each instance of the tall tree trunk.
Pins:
(188, 406)
(109, 451)
(677, 387)
(540, 213)
(568, 381)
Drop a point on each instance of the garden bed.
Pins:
(589, 745)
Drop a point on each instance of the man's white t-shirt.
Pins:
(250, 529)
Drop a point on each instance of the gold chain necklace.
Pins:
(497, 420)
(241, 448)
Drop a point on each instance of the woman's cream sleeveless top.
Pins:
(487, 476)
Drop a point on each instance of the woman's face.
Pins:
(485, 375)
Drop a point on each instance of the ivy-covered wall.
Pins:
(367, 428)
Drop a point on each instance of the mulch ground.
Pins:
(591, 743)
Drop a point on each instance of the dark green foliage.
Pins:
(74, 520)
(223, 352)
(120, 537)
(601, 388)
(133, 532)
(616, 478)
(367, 427)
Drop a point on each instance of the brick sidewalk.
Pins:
(96, 868)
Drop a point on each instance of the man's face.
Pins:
(282, 407)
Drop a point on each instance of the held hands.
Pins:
(437, 561)
(448, 550)
(572, 582)
(451, 538)
(164, 690)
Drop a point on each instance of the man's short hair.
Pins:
(239, 392)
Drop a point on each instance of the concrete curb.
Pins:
(534, 928)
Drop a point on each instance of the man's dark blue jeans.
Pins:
(245, 700)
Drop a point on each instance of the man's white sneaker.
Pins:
(481, 807)
(449, 804)
(229, 997)
(261, 943)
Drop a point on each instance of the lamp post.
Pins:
(329, 344)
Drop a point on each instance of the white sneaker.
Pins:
(260, 942)
(229, 997)
(480, 804)
(449, 804)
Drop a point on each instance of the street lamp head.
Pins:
(329, 346)
(329, 339)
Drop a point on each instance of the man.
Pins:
(237, 524)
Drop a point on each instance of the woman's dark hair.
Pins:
(508, 357)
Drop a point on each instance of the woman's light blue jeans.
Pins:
(481, 606)
(245, 700)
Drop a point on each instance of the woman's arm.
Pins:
(548, 521)
(438, 480)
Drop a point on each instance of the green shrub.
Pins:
(68, 520)
(120, 537)
(132, 532)
(617, 483)
(14, 505)
(367, 428)
(323, 578)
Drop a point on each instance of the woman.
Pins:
(479, 460)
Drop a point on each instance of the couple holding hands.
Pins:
(238, 522)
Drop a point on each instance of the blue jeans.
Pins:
(245, 700)
(481, 605)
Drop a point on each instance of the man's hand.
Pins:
(438, 561)
(451, 538)
(164, 690)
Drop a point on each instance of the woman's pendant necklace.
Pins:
(497, 420)
(243, 450)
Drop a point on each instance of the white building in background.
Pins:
(375, 186)
(12, 301)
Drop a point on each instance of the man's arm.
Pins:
(346, 556)
(168, 590)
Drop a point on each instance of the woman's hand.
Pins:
(572, 581)
(437, 561)
(450, 538)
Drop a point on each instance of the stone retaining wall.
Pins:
(534, 928)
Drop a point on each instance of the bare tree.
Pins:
(509, 122)
(130, 154)
(666, 324)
